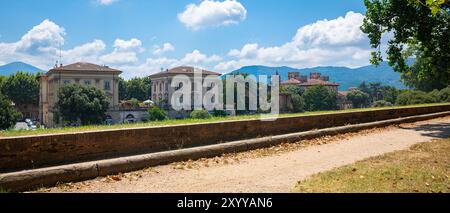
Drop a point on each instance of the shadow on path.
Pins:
(437, 130)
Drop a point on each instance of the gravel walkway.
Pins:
(275, 169)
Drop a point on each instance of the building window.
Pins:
(87, 83)
(107, 85)
(180, 85)
(210, 87)
(67, 81)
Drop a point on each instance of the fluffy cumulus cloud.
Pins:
(125, 52)
(166, 47)
(338, 42)
(86, 52)
(198, 58)
(212, 13)
(106, 2)
(156, 64)
(42, 41)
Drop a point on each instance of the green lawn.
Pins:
(423, 168)
(12, 133)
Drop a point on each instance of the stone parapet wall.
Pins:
(46, 150)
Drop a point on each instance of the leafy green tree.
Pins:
(444, 94)
(138, 88)
(414, 97)
(320, 98)
(359, 98)
(298, 103)
(8, 115)
(21, 88)
(123, 95)
(389, 94)
(435, 95)
(382, 103)
(85, 104)
(200, 114)
(291, 89)
(420, 30)
(157, 114)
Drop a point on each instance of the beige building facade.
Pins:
(86, 74)
(162, 90)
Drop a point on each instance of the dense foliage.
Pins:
(359, 98)
(8, 115)
(87, 105)
(382, 103)
(135, 88)
(414, 97)
(200, 114)
(319, 98)
(298, 103)
(419, 29)
(156, 114)
(21, 88)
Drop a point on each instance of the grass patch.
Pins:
(423, 168)
(13, 133)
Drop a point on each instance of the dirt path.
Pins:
(274, 172)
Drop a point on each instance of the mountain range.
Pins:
(14, 67)
(346, 77)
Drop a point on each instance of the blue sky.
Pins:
(141, 36)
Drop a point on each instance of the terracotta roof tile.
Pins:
(183, 70)
(83, 66)
(313, 82)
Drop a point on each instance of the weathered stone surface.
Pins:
(51, 150)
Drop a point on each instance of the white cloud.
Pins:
(212, 13)
(36, 46)
(167, 47)
(341, 31)
(86, 52)
(153, 65)
(338, 42)
(132, 44)
(196, 58)
(106, 2)
(125, 52)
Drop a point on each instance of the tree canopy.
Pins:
(320, 98)
(77, 103)
(21, 88)
(358, 98)
(420, 30)
(8, 115)
(138, 88)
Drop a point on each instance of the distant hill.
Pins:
(15, 67)
(346, 77)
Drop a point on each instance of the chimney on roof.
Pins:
(315, 75)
